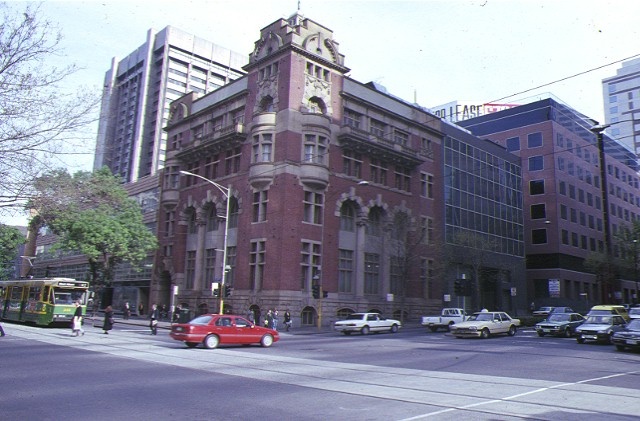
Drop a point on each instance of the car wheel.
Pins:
(449, 326)
(609, 339)
(485, 333)
(211, 341)
(567, 333)
(433, 328)
(512, 330)
(580, 340)
(394, 329)
(540, 334)
(620, 347)
(364, 330)
(191, 344)
(266, 341)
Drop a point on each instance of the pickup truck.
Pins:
(448, 317)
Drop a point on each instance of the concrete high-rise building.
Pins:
(139, 89)
(621, 95)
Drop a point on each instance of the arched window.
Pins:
(308, 316)
(317, 105)
(348, 217)
(212, 218)
(374, 224)
(234, 210)
(266, 104)
(191, 221)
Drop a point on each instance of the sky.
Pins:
(425, 51)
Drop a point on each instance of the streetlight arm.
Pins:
(223, 189)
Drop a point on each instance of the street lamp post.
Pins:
(635, 268)
(226, 191)
(598, 130)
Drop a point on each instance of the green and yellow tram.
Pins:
(43, 301)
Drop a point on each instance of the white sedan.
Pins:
(365, 323)
(485, 324)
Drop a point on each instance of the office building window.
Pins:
(426, 185)
(352, 164)
(378, 171)
(538, 211)
(262, 147)
(513, 144)
(534, 140)
(190, 269)
(371, 273)
(536, 163)
(539, 236)
(315, 149)
(310, 263)
(536, 187)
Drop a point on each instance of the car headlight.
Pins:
(603, 331)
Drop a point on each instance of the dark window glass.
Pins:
(536, 187)
(534, 140)
(513, 144)
(539, 236)
(538, 211)
(536, 163)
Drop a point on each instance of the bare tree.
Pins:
(39, 120)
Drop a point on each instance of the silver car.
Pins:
(599, 328)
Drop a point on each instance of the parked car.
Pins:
(484, 324)
(609, 309)
(447, 317)
(365, 323)
(629, 337)
(543, 311)
(634, 313)
(562, 310)
(564, 324)
(212, 330)
(599, 328)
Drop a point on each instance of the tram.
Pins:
(44, 301)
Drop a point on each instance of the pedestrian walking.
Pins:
(251, 316)
(126, 311)
(108, 320)
(275, 319)
(140, 309)
(154, 315)
(287, 319)
(268, 320)
(76, 322)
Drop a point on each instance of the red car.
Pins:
(222, 329)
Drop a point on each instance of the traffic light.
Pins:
(458, 287)
(215, 289)
(315, 291)
(228, 290)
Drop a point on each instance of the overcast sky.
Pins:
(425, 50)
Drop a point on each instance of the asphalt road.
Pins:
(412, 375)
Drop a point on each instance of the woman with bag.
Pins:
(108, 320)
(154, 315)
(76, 322)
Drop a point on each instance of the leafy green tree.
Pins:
(10, 239)
(40, 120)
(92, 215)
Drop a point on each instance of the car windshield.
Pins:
(634, 325)
(598, 320)
(481, 317)
(355, 316)
(559, 317)
(545, 309)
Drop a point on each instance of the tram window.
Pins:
(79, 296)
(16, 293)
(34, 293)
(47, 294)
(63, 297)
